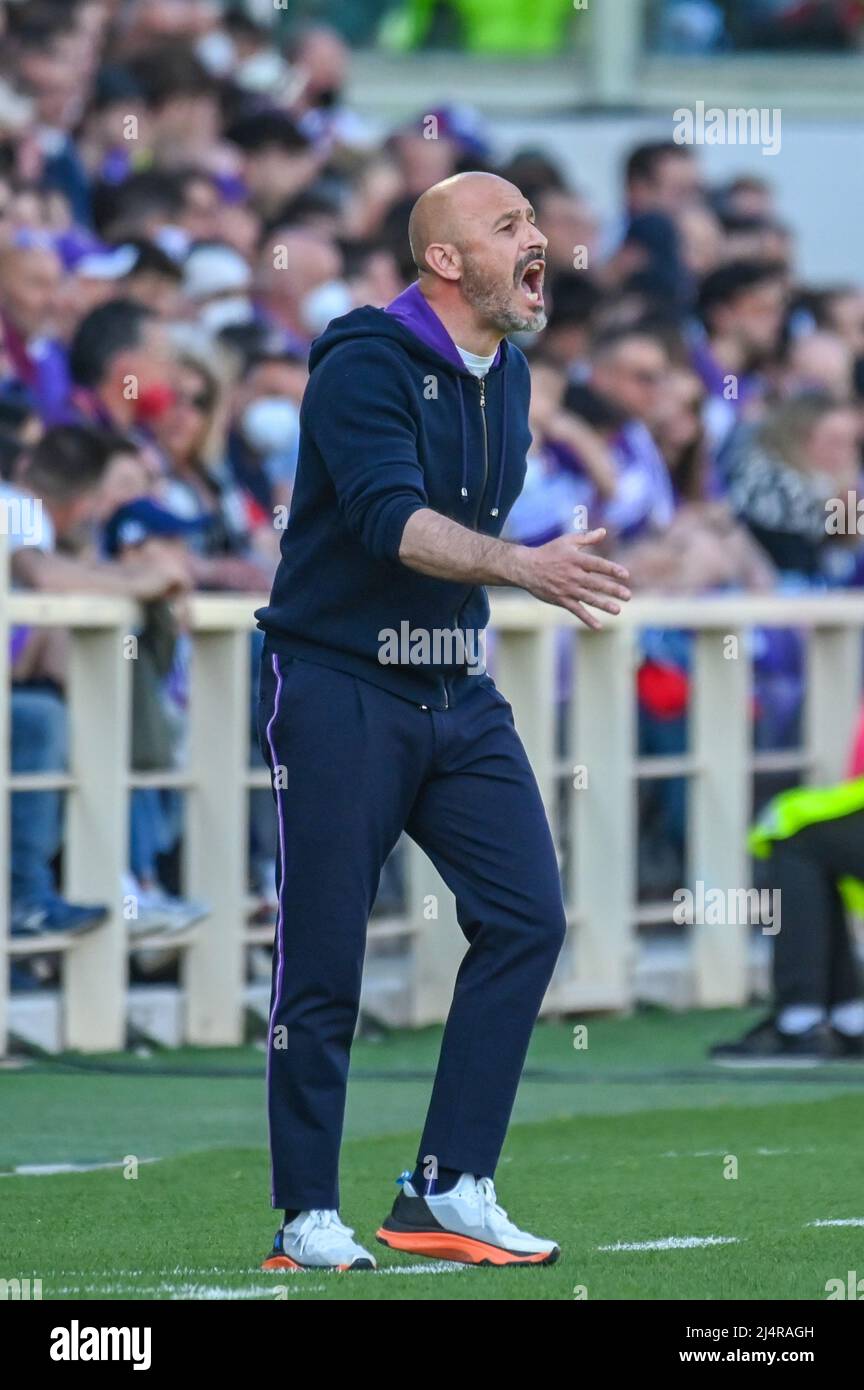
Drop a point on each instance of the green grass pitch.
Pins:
(625, 1142)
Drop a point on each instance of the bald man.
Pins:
(30, 282)
(377, 716)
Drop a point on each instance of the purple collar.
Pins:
(413, 310)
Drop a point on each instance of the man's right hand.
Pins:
(564, 573)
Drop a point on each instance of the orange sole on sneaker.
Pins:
(274, 1262)
(446, 1245)
(279, 1262)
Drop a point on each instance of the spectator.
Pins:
(782, 475)
(181, 99)
(217, 282)
(30, 272)
(758, 239)
(813, 842)
(702, 241)
(120, 362)
(54, 500)
(199, 488)
(141, 533)
(704, 549)
(841, 310)
(295, 264)
(570, 227)
(278, 160)
(819, 363)
(570, 471)
(661, 177)
(153, 279)
(626, 371)
(147, 204)
(573, 300)
(262, 444)
(741, 308)
(116, 109)
(747, 196)
(319, 58)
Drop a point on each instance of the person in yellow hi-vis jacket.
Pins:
(814, 840)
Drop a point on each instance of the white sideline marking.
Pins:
(722, 1153)
(696, 1153)
(49, 1170)
(672, 1243)
(433, 1267)
(173, 1291)
(157, 1283)
(840, 1221)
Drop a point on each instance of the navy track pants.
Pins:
(352, 767)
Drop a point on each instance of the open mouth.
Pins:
(531, 283)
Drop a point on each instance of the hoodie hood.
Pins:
(413, 309)
(411, 321)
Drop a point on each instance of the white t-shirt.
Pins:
(24, 520)
(477, 365)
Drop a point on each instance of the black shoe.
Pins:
(847, 1047)
(764, 1045)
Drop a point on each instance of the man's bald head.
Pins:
(29, 282)
(445, 213)
(478, 251)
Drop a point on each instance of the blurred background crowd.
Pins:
(187, 198)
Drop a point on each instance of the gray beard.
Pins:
(493, 305)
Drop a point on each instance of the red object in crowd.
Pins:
(153, 402)
(663, 690)
(856, 767)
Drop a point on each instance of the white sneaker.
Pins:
(465, 1224)
(317, 1240)
(159, 911)
(180, 912)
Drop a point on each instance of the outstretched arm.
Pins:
(562, 572)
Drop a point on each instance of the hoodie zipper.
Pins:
(482, 384)
(481, 381)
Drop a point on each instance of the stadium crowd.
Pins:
(186, 200)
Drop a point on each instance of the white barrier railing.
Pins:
(596, 966)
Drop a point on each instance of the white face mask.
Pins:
(217, 52)
(262, 72)
(225, 313)
(271, 425)
(326, 302)
(174, 241)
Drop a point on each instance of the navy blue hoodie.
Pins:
(393, 421)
